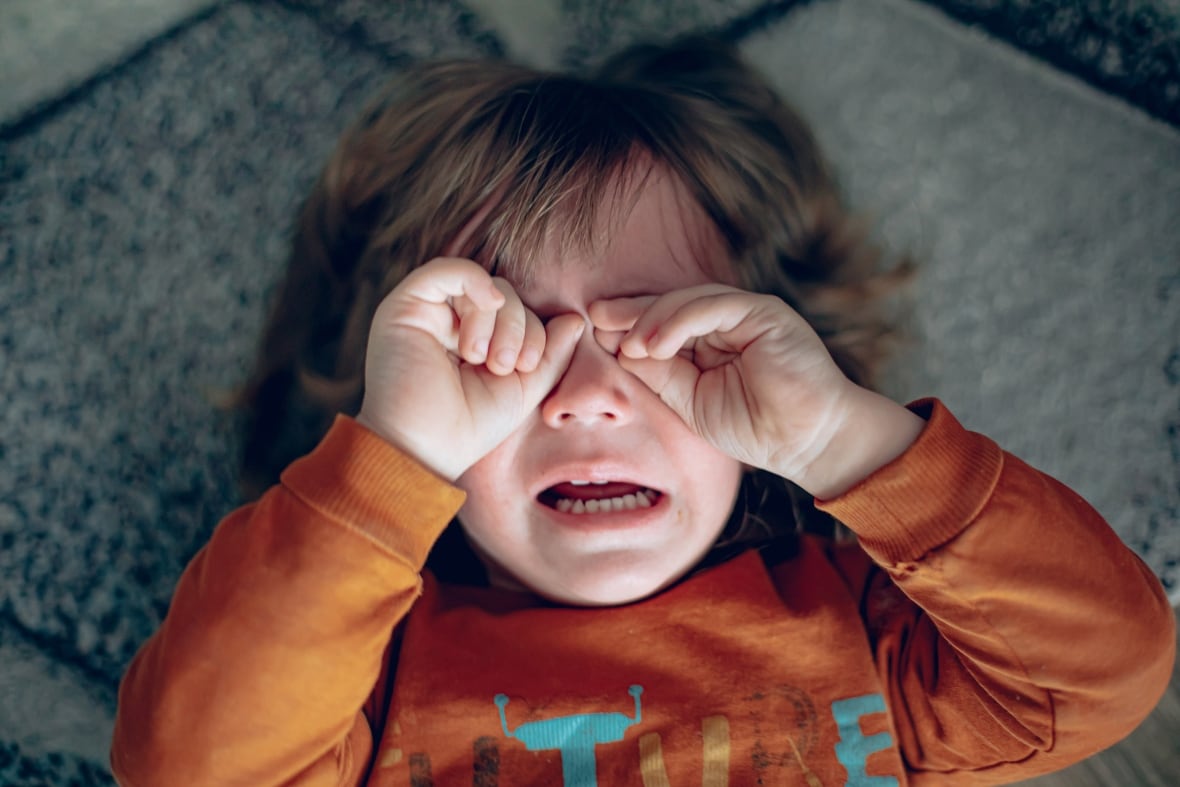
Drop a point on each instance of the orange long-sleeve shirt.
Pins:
(989, 626)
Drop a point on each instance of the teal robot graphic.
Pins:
(574, 736)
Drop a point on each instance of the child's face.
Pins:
(600, 423)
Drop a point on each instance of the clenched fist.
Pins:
(746, 372)
(456, 362)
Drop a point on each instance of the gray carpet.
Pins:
(146, 193)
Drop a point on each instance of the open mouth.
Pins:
(598, 497)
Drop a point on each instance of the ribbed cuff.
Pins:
(358, 479)
(926, 496)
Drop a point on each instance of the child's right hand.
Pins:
(456, 362)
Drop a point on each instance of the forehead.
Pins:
(658, 239)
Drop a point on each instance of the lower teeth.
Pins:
(642, 499)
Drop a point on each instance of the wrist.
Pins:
(435, 465)
(357, 478)
(873, 432)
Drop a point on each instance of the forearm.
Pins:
(277, 628)
(1029, 602)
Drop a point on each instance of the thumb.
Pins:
(673, 380)
(561, 337)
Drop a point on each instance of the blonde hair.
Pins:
(445, 139)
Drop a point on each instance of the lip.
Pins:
(605, 470)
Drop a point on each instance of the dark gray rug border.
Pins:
(31, 119)
(1133, 54)
(358, 37)
(61, 652)
(1071, 36)
(761, 18)
(54, 769)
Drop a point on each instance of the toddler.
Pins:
(588, 364)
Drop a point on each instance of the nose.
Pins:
(595, 389)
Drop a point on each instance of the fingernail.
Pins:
(505, 359)
(627, 346)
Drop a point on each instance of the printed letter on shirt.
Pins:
(575, 736)
(854, 748)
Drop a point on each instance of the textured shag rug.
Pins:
(1032, 163)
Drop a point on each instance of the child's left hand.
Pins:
(749, 374)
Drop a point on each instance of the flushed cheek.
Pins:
(492, 480)
(493, 515)
(500, 537)
(494, 512)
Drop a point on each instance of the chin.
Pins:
(603, 588)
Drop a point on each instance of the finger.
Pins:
(717, 317)
(719, 323)
(424, 300)
(618, 314)
(445, 278)
(533, 344)
(609, 340)
(561, 337)
(636, 344)
(507, 332)
(476, 327)
(673, 380)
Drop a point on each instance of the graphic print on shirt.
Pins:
(772, 736)
(574, 736)
(714, 749)
(797, 730)
(854, 747)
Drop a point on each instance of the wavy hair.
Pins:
(444, 139)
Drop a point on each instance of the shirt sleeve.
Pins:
(1013, 630)
(278, 628)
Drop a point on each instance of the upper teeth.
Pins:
(587, 483)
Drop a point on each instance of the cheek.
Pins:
(718, 478)
(726, 480)
(479, 478)
(714, 469)
(496, 474)
(492, 485)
